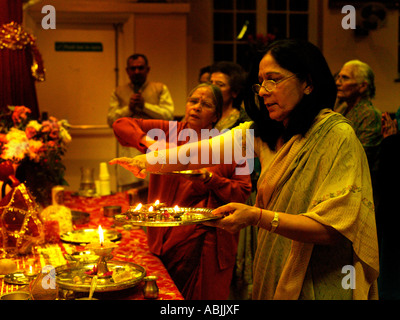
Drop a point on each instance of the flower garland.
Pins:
(14, 37)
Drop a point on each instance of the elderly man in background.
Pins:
(355, 90)
(138, 99)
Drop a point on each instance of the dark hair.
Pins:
(237, 78)
(206, 69)
(307, 62)
(217, 95)
(136, 56)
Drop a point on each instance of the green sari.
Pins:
(323, 176)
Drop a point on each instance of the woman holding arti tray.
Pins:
(314, 208)
(199, 258)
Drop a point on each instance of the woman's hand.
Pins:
(236, 216)
(136, 165)
(389, 126)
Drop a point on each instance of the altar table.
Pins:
(132, 247)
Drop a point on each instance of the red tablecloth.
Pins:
(132, 248)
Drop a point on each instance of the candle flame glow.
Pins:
(176, 208)
(157, 202)
(151, 209)
(138, 207)
(101, 235)
(30, 270)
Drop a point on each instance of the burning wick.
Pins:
(30, 272)
(101, 236)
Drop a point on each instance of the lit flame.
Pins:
(101, 235)
(151, 209)
(157, 202)
(176, 208)
(30, 270)
(138, 207)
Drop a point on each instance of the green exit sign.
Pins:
(79, 46)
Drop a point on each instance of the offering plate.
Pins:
(18, 277)
(166, 217)
(77, 277)
(82, 236)
(193, 173)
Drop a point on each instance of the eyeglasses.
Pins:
(269, 85)
(342, 78)
(204, 104)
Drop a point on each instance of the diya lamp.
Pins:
(31, 273)
(135, 213)
(158, 205)
(103, 249)
(151, 213)
(177, 213)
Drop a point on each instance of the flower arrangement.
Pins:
(36, 147)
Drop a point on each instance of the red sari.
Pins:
(200, 259)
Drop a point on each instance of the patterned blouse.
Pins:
(366, 121)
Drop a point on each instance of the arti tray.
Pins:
(166, 217)
(76, 276)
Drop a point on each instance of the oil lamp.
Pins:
(103, 249)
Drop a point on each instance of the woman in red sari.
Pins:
(199, 258)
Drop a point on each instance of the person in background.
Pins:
(141, 99)
(230, 78)
(387, 211)
(204, 75)
(355, 91)
(314, 205)
(199, 258)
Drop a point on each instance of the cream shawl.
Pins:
(324, 176)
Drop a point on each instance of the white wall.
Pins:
(79, 84)
(378, 49)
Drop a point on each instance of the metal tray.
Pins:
(85, 236)
(166, 217)
(18, 278)
(193, 173)
(75, 276)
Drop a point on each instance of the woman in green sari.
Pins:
(314, 206)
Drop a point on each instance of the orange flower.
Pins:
(19, 114)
